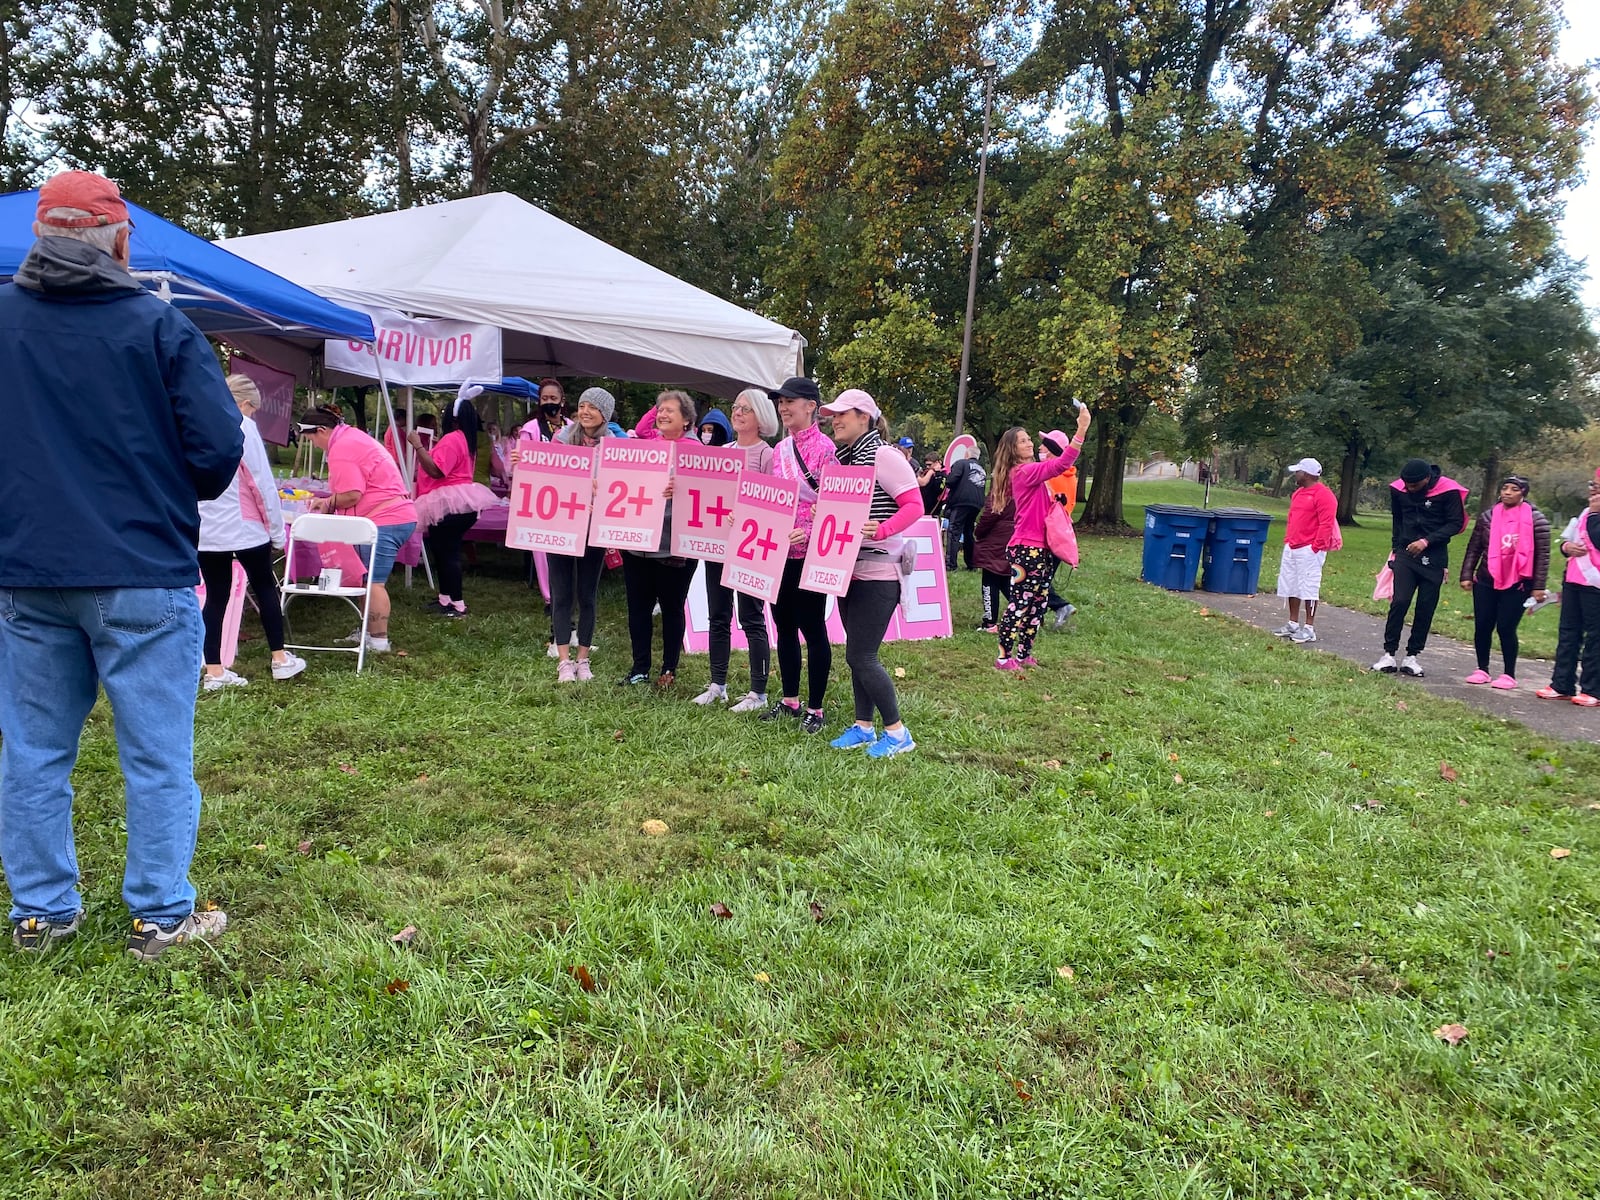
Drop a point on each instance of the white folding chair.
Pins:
(349, 531)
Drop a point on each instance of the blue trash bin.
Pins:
(1233, 548)
(1173, 537)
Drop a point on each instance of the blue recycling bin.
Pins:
(1233, 548)
(1173, 537)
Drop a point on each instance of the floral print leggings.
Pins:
(1031, 570)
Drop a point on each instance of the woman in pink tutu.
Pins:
(448, 501)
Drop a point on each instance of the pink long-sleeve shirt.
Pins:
(1033, 498)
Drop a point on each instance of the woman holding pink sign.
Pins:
(875, 582)
(754, 420)
(655, 577)
(574, 578)
(1032, 564)
(801, 457)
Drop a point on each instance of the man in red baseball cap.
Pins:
(99, 521)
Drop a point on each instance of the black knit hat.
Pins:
(1415, 470)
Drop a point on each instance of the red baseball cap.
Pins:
(94, 194)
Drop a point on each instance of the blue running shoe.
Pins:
(853, 737)
(890, 744)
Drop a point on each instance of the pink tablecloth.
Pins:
(311, 557)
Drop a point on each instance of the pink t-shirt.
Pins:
(899, 480)
(357, 463)
(451, 456)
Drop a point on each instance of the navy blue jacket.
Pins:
(115, 421)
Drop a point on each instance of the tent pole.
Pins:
(407, 458)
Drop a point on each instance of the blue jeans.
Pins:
(56, 646)
(391, 538)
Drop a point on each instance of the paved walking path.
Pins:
(1358, 636)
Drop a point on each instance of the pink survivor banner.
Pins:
(705, 487)
(924, 610)
(550, 497)
(630, 493)
(844, 502)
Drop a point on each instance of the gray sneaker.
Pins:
(1302, 635)
(33, 936)
(1285, 631)
(1410, 666)
(149, 941)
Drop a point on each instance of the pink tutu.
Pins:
(432, 507)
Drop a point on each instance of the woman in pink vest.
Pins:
(1578, 642)
(1507, 560)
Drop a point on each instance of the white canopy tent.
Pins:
(568, 303)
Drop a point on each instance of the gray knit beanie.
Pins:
(601, 399)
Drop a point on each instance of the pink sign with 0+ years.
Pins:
(844, 501)
(763, 519)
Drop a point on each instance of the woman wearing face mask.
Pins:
(754, 419)
(551, 417)
(575, 579)
(714, 429)
(874, 593)
(801, 457)
(658, 576)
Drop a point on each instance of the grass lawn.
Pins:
(1349, 575)
(1174, 916)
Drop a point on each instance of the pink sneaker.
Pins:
(1030, 661)
(567, 672)
(1478, 677)
(1505, 683)
(584, 673)
(1007, 664)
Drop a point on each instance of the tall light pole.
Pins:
(989, 68)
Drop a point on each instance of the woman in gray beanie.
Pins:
(576, 578)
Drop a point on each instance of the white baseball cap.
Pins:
(1309, 465)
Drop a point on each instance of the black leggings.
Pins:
(575, 579)
(866, 610)
(652, 581)
(797, 614)
(443, 542)
(1497, 612)
(720, 603)
(996, 593)
(216, 568)
(1578, 641)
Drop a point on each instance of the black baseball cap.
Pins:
(797, 388)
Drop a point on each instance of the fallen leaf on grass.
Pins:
(655, 828)
(1368, 805)
(1129, 692)
(1271, 812)
(1065, 971)
(259, 846)
(423, 778)
(763, 977)
(1560, 852)
(1178, 678)
(1172, 758)
(1177, 779)
(899, 672)
(395, 986)
(1461, 803)
(1452, 1034)
(817, 914)
(618, 736)
(304, 847)
(581, 974)
(1402, 706)
(1051, 764)
(1594, 808)
(1105, 756)
(721, 911)
(347, 768)
(1047, 697)
(402, 654)
(1205, 612)
(1448, 773)
(1491, 955)
(406, 936)
(1023, 1093)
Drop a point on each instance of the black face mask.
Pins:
(550, 408)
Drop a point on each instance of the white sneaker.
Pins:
(714, 692)
(1303, 634)
(291, 666)
(354, 637)
(1285, 631)
(1063, 615)
(1410, 666)
(1385, 664)
(215, 683)
(751, 702)
(550, 650)
(377, 645)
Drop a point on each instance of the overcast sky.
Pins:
(1581, 229)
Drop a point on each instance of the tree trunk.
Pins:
(1103, 509)
(1349, 482)
(1491, 477)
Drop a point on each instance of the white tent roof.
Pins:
(568, 303)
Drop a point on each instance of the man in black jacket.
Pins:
(963, 499)
(1426, 510)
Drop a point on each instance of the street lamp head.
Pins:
(990, 64)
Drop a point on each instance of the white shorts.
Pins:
(1300, 573)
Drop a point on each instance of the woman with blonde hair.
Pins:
(754, 420)
(244, 523)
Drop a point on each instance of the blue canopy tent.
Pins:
(229, 298)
